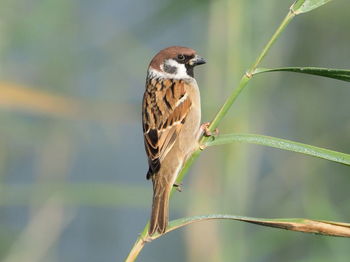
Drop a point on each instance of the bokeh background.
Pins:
(72, 161)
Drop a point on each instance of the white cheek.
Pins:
(181, 71)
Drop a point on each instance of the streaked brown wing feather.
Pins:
(165, 107)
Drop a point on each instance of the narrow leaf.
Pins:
(281, 144)
(303, 6)
(340, 74)
(322, 227)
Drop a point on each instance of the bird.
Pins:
(171, 116)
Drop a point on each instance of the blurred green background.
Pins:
(72, 161)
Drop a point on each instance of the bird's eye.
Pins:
(181, 57)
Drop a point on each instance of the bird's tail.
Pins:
(160, 206)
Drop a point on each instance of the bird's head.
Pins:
(175, 62)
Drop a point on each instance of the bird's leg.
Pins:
(178, 187)
(206, 132)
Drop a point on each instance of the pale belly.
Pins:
(186, 142)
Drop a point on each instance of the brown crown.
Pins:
(170, 52)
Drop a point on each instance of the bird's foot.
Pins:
(178, 187)
(202, 147)
(206, 132)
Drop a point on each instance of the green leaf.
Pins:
(322, 227)
(340, 74)
(281, 144)
(303, 6)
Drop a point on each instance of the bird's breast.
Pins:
(190, 130)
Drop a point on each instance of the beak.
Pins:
(197, 60)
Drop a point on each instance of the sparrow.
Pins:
(171, 115)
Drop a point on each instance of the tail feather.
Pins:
(160, 208)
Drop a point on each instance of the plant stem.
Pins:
(140, 242)
(136, 249)
(246, 77)
(227, 105)
(273, 39)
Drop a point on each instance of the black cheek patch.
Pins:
(170, 69)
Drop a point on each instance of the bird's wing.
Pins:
(165, 107)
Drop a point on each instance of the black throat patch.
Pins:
(189, 70)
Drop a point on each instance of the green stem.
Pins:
(273, 39)
(214, 124)
(246, 77)
(227, 105)
(139, 244)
